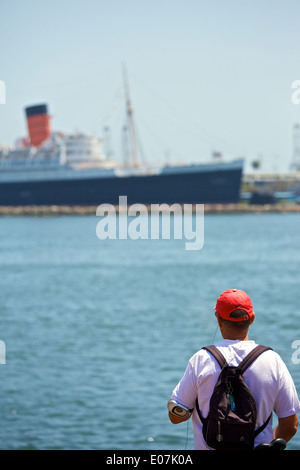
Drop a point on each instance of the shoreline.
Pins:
(238, 208)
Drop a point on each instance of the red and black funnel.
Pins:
(38, 123)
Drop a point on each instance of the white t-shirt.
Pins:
(267, 377)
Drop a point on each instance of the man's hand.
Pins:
(177, 419)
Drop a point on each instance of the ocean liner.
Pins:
(52, 168)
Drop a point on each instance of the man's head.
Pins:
(235, 313)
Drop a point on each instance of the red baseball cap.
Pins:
(232, 299)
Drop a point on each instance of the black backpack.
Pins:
(230, 424)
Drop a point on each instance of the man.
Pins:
(267, 377)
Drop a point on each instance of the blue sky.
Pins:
(204, 75)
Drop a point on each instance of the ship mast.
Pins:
(130, 119)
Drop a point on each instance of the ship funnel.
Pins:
(38, 123)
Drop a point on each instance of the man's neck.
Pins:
(236, 337)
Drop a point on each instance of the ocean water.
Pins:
(98, 332)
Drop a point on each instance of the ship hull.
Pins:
(204, 186)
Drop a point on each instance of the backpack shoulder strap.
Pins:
(213, 350)
(245, 364)
(250, 358)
